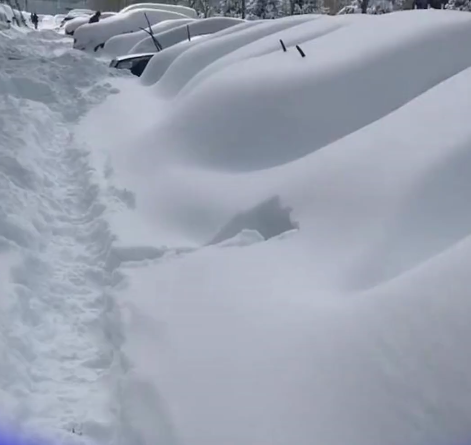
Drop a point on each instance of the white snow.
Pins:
(247, 246)
(57, 354)
(179, 34)
(89, 36)
(72, 25)
(161, 61)
(349, 323)
(185, 10)
(122, 44)
(197, 57)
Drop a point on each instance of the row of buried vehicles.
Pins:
(132, 36)
(11, 17)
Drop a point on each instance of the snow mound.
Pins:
(349, 323)
(198, 57)
(90, 36)
(340, 70)
(73, 24)
(159, 63)
(176, 35)
(185, 10)
(122, 44)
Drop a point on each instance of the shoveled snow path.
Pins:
(59, 327)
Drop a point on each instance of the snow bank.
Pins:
(332, 304)
(340, 70)
(89, 36)
(122, 44)
(198, 57)
(271, 43)
(179, 34)
(185, 10)
(161, 61)
(58, 328)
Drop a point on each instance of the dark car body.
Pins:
(136, 63)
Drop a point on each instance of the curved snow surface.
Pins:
(161, 61)
(325, 201)
(212, 48)
(89, 36)
(123, 43)
(185, 10)
(72, 25)
(260, 248)
(173, 36)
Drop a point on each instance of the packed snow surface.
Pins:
(254, 248)
(57, 332)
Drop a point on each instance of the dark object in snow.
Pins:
(188, 32)
(270, 218)
(101, 45)
(35, 20)
(136, 63)
(157, 44)
(283, 45)
(300, 51)
(95, 18)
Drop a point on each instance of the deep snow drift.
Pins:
(254, 248)
(325, 203)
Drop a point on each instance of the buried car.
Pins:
(136, 63)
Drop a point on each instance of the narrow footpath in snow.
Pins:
(59, 328)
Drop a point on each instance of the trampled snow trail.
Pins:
(59, 328)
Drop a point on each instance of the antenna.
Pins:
(300, 51)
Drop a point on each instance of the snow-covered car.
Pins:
(185, 10)
(90, 37)
(4, 18)
(189, 31)
(136, 63)
(72, 25)
(122, 44)
(74, 13)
